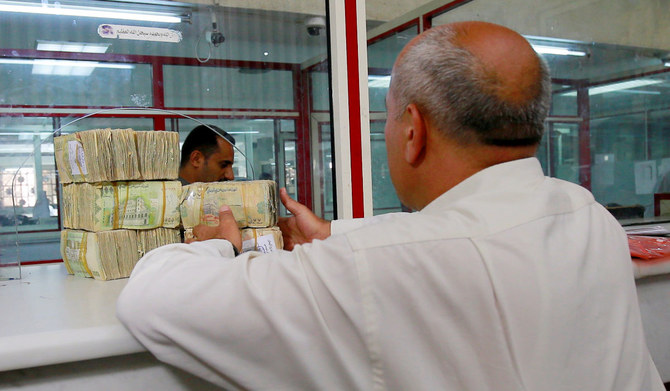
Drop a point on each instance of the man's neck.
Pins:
(185, 175)
(447, 164)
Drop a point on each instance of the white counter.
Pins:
(50, 319)
(61, 332)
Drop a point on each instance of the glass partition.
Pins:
(384, 198)
(325, 176)
(207, 87)
(255, 138)
(28, 191)
(612, 79)
(382, 52)
(323, 186)
(75, 124)
(559, 150)
(610, 64)
(246, 74)
(54, 82)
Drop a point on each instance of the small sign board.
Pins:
(139, 33)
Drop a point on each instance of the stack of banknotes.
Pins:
(253, 203)
(115, 205)
(120, 198)
(109, 255)
(106, 155)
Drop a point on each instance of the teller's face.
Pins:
(219, 165)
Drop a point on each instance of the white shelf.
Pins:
(50, 317)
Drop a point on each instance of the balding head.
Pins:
(476, 82)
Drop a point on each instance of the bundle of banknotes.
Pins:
(105, 206)
(265, 240)
(105, 155)
(254, 203)
(110, 255)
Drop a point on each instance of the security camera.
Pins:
(214, 36)
(315, 25)
(217, 38)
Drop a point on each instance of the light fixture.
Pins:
(559, 51)
(89, 12)
(375, 81)
(624, 86)
(74, 47)
(243, 131)
(667, 64)
(64, 67)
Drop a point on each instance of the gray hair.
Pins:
(456, 93)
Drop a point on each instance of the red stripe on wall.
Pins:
(353, 88)
(302, 97)
(158, 93)
(26, 263)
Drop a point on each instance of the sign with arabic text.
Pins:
(139, 33)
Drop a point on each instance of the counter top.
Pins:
(50, 317)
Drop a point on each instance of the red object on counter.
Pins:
(648, 247)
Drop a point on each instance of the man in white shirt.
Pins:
(503, 279)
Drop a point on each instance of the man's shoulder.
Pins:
(405, 228)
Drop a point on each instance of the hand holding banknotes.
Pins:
(227, 229)
(304, 226)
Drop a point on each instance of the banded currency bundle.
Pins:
(106, 155)
(265, 240)
(254, 203)
(110, 255)
(158, 154)
(113, 205)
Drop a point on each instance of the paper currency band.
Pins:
(80, 145)
(82, 253)
(164, 203)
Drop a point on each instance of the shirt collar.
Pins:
(512, 175)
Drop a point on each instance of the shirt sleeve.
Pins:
(257, 321)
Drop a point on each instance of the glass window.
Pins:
(55, 82)
(610, 72)
(382, 53)
(323, 198)
(248, 74)
(28, 175)
(28, 190)
(254, 138)
(559, 151)
(384, 198)
(324, 202)
(76, 124)
(618, 150)
(563, 101)
(235, 88)
(320, 91)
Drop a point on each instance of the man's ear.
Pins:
(415, 134)
(196, 158)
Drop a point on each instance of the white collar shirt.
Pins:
(509, 281)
